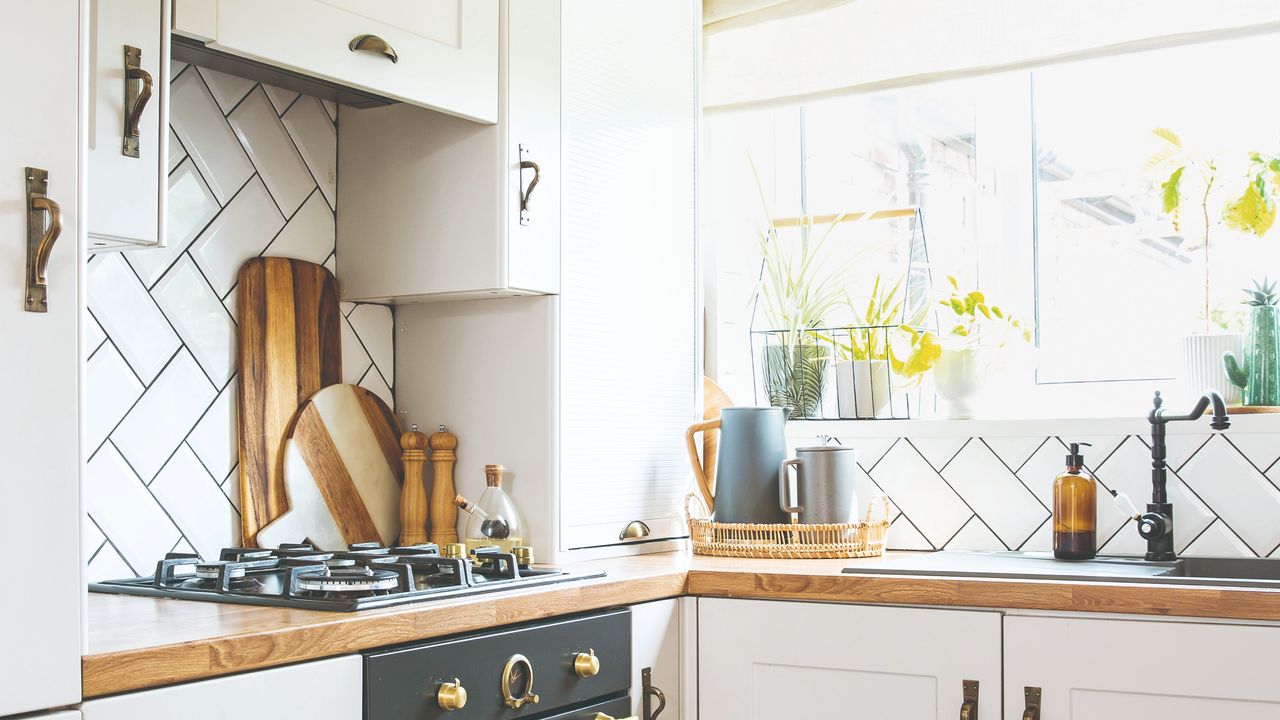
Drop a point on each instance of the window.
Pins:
(1032, 185)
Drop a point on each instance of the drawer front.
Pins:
(403, 683)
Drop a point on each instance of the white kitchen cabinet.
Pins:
(583, 395)
(1098, 669)
(330, 689)
(40, 607)
(128, 123)
(441, 54)
(764, 660)
(433, 207)
(664, 640)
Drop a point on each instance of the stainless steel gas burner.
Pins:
(366, 575)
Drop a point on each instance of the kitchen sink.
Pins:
(1233, 572)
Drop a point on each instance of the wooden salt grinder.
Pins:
(444, 514)
(413, 494)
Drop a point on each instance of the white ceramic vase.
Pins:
(957, 376)
(863, 388)
(1202, 364)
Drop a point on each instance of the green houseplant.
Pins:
(863, 371)
(1259, 373)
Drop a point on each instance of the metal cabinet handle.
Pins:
(602, 716)
(648, 688)
(526, 193)
(969, 708)
(1031, 697)
(40, 238)
(137, 91)
(373, 43)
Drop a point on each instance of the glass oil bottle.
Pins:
(494, 519)
(1075, 510)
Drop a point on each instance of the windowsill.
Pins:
(1016, 427)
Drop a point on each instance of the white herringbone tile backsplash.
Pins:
(252, 171)
(995, 493)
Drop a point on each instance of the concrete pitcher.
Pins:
(752, 444)
(824, 487)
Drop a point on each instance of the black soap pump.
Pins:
(1075, 510)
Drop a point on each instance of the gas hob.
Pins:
(362, 577)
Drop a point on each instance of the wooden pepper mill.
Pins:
(413, 494)
(444, 514)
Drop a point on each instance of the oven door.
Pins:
(524, 671)
(616, 709)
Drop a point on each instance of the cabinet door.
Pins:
(322, 690)
(765, 660)
(39, 355)
(1122, 669)
(441, 54)
(127, 187)
(629, 350)
(658, 633)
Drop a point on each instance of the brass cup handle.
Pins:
(373, 43)
(451, 695)
(602, 716)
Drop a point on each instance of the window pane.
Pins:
(1119, 282)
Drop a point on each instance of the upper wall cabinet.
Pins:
(128, 117)
(437, 208)
(441, 54)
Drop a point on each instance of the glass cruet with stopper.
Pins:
(494, 519)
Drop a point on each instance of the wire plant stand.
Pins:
(816, 372)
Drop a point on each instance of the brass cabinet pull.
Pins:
(647, 687)
(517, 672)
(373, 43)
(137, 91)
(1031, 696)
(40, 238)
(526, 193)
(969, 708)
(602, 716)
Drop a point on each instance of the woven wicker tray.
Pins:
(787, 540)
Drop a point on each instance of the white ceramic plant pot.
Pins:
(1202, 364)
(863, 388)
(957, 376)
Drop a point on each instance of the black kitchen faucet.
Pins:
(1156, 526)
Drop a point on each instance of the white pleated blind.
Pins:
(628, 355)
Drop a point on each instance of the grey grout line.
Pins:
(876, 464)
(254, 165)
(114, 547)
(964, 525)
(182, 344)
(136, 400)
(954, 455)
(1033, 532)
(1015, 475)
(147, 486)
(365, 347)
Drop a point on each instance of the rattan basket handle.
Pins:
(882, 501)
(699, 473)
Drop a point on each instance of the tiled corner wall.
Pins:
(995, 492)
(252, 171)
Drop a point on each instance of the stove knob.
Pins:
(524, 555)
(452, 696)
(586, 664)
(455, 550)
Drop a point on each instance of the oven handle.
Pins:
(648, 688)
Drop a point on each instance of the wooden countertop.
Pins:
(139, 642)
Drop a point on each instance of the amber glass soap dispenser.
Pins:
(1075, 510)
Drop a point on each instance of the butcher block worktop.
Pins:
(141, 642)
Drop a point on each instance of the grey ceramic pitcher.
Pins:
(824, 487)
(752, 444)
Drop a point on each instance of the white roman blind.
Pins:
(629, 320)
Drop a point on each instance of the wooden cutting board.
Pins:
(289, 348)
(342, 472)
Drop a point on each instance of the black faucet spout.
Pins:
(1156, 526)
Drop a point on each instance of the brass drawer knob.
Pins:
(452, 696)
(586, 664)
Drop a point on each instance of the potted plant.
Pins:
(864, 373)
(1259, 374)
(1194, 178)
(960, 356)
(796, 293)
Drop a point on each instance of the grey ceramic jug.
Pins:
(744, 485)
(824, 487)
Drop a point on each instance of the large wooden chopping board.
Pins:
(289, 348)
(342, 471)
